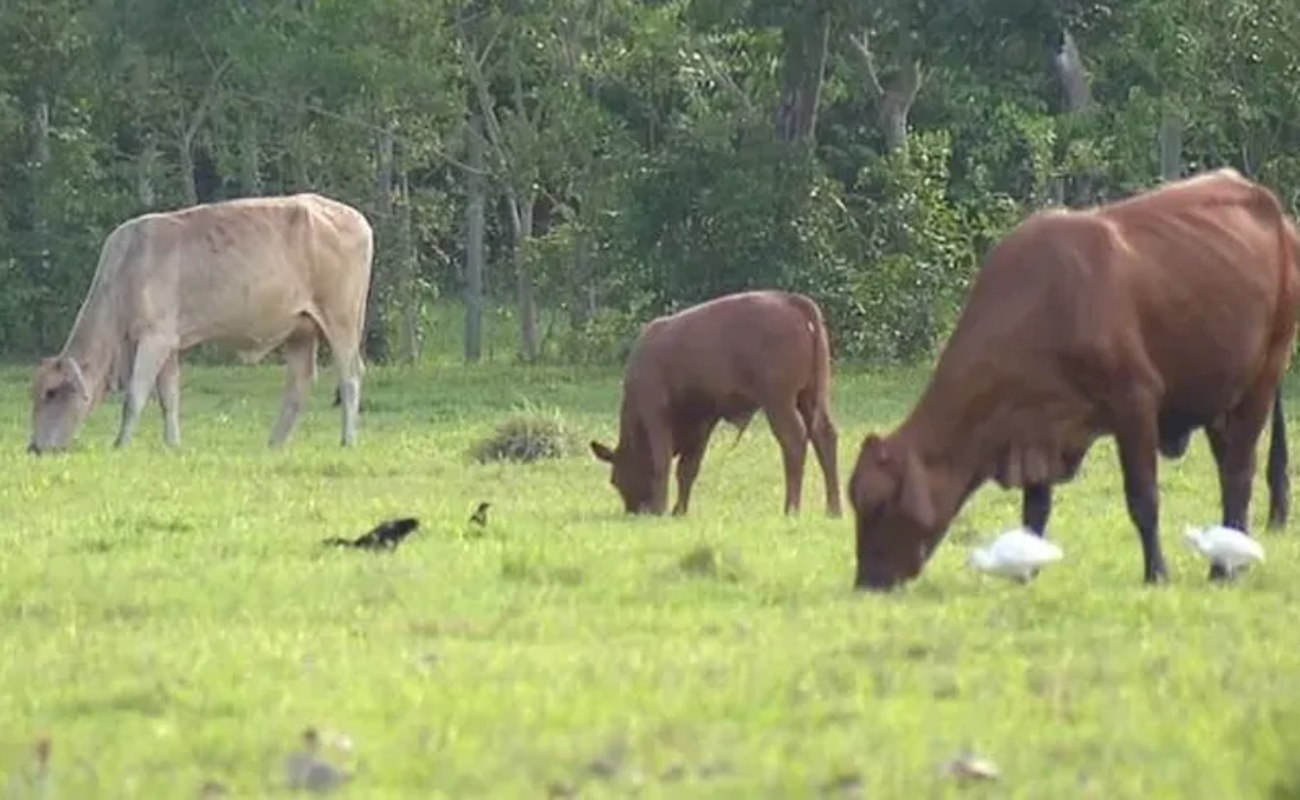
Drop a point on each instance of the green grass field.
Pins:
(169, 617)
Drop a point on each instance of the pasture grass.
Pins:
(170, 619)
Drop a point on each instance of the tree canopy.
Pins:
(590, 163)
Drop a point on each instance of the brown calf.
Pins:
(724, 359)
(1145, 319)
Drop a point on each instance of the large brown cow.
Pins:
(1145, 319)
(724, 359)
(255, 273)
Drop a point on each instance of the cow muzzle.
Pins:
(876, 580)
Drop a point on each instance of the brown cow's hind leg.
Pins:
(1036, 507)
(792, 435)
(825, 442)
(1232, 441)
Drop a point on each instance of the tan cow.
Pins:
(254, 273)
(1146, 320)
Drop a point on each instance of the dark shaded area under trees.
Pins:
(590, 163)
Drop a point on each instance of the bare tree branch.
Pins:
(861, 45)
(205, 102)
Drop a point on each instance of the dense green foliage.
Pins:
(637, 155)
(171, 619)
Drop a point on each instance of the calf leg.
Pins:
(1232, 441)
(300, 366)
(694, 443)
(169, 398)
(791, 433)
(825, 442)
(150, 355)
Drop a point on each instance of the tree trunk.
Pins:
(376, 338)
(1171, 145)
(805, 40)
(474, 234)
(894, 99)
(894, 106)
(522, 220)
(582, 290)
(38, 267)
(145, 171)
(408, 341)
(189, 189)
(1075, 96)
(250, 157)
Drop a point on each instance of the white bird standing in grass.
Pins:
(1224, 546)
(1017, 554)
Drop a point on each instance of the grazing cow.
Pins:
(724, 359)
(255, 273)
(1145, 319)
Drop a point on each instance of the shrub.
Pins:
(527, 436)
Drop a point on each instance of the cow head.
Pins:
(60, 402)
(630, 474)
(898, 526)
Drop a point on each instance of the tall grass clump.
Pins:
(529, 435)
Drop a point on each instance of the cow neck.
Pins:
(949, 439)
(95, 345)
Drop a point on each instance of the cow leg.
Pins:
(1279, 481)
(1036, 507)
(792, 434)
(660, 439)
(300, 366)
(150, 355)
(1137, 456)
(695, 442)
(169, 398)
(1232, 441)
(825, 442)
(350, 399)
(347, 359)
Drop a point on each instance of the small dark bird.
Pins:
(479, 517)
(385, 536)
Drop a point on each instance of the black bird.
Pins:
(479, 517)
(385, 536)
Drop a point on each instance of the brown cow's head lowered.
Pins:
(630, 475)
(898, 526)
(60, 402)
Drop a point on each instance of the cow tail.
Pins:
(821, 367)
(1277, 468)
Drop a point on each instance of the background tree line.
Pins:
(590, 163)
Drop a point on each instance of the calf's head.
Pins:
(630, 474)
(60, 402)
(895, 515)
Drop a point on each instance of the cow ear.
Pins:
(915, 498)
(602, 452)
(72, 370)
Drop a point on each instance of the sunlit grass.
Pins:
(170, 618)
